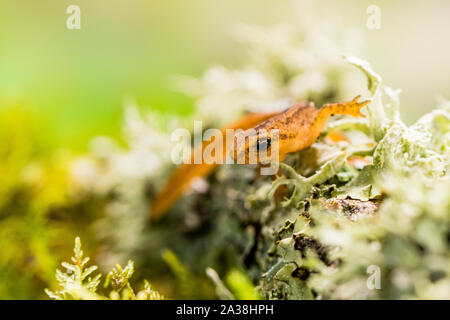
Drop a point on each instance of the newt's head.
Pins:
(254, 147)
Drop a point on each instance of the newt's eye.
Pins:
(263, 144)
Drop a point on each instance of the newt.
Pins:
(186, 173)
(298, 128)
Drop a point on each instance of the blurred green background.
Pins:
(74, 82)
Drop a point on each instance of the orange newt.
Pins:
(298, 128)
(186, 173)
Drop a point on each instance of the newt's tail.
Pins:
(185, 173)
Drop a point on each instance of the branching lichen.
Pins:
(76, 282)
